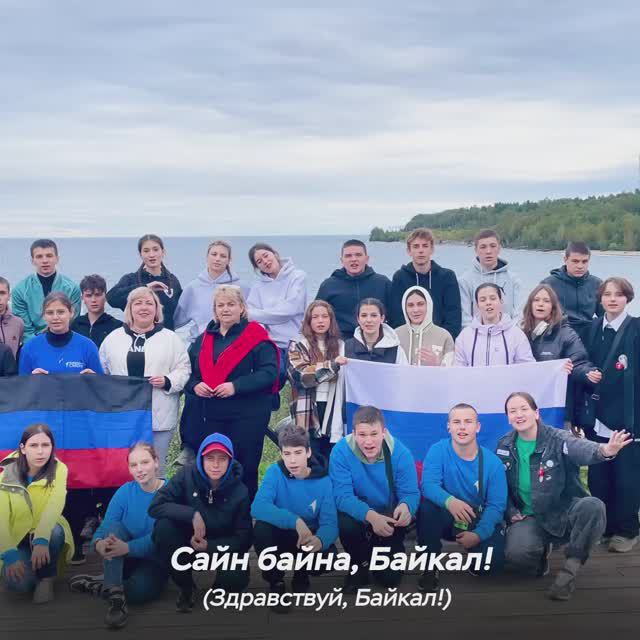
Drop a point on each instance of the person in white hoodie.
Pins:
(278, 299)
(493, 337)
(489, 267)
(373, 339)
(193, 312)
(424, 343)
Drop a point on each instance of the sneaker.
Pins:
(620, 544)
(605, 540)
(43, 592)
(563, 587)
(356, 581)
(184, 602)
(279, 588)
(429, 581)
(86, 584)
(78, 556)
(117, 613)
(543, 567)
(300, 582)
(90, 526)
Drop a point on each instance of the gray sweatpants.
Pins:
(161, 442)
(526, 540)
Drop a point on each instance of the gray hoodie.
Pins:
(501, 276)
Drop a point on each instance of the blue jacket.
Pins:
(282, 499)
(78, 354)
(359, 486)
(129, 507)
(446, 474)
(27, 298)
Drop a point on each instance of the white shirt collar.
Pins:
(615, 324)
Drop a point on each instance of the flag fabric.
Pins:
(94, 420)
(415, 401)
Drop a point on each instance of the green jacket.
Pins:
(27, 298)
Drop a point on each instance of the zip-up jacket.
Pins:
(97, 331)
(11, 331)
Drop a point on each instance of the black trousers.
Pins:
(359, 541)
(82, 504)
(617, 484)
(168, 535)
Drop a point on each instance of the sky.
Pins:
(200, 118)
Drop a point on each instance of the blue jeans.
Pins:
(143, 579)
(31, 577)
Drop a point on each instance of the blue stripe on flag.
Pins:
(80, 429)
(418, 431)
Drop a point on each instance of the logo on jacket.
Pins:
(313, 506)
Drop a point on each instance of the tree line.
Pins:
(609, 222)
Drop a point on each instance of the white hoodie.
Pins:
(389, 339)
(279, 304)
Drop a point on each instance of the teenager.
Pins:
(547, 504)
(96, 324)
(204, 506)
(144, 348)
(133, 572)
(373, 339)
(613, 344)
(375, 486)
(493, 337)
(424, 272)
(346, 287)
(317, 389)
(552, 338)
(35, 539)
(465, 494)
(576, 288)
(28, 295)
(152, 273)
(194, 308)
(234, 373)
(11, 327)
(294, 507)
(59, 350)
(489, 267)
(423, 342)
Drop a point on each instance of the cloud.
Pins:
(271, 119)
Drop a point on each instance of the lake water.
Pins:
(317, 255)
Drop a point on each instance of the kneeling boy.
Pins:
(294, 506)
(375, 485)
(465, 491)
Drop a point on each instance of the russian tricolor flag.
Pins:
(94, 420)
(415, 401)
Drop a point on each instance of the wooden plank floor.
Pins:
(606, 606)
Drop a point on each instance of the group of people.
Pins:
(229, 348)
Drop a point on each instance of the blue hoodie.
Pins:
(446, 474)
(359, 486)
(282, 499)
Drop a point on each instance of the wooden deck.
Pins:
(606, 606)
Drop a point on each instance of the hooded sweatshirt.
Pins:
(425, 335)
(441, 284)
(194, 310)
(484, 345)
(359, 485)
(11, 331)
(387, 349)
(501, 276)
(344, 292)
(282, 499)
(279, 303)
(224, 509)
(578, 297)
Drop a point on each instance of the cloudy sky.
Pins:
(193, 118)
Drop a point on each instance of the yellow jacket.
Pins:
(34, 509)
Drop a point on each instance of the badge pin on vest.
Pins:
(623, 363)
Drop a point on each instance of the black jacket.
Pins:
(117, 295)
(8, 365)
(616, 399)
(225, 511)
(343, 292)
(557, 458)
(101, 328)
(578, 297)
(441, 284)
